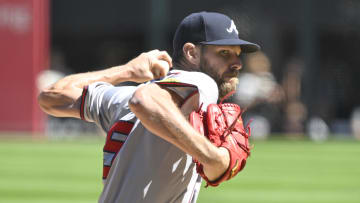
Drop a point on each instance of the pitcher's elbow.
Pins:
(43, 101)
(136, 102)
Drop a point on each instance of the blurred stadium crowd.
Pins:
(304, 82)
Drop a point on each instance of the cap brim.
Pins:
(246, 47)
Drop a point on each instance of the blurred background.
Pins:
(306, 76)
(302, 85)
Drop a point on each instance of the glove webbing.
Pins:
(231, 127)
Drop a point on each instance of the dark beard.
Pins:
(224, 86)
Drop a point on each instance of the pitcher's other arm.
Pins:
(62, 99)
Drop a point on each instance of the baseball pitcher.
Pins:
(152, 152)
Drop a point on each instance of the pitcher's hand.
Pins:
(150, 65)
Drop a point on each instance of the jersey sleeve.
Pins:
(186, 84)
(102, 102)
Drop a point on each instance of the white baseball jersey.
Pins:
(138, 165)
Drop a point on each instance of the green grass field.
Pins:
(278, 171)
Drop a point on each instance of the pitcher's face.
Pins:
(222, 63)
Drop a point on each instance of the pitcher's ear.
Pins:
(191, 53)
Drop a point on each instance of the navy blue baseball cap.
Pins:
(212, 29)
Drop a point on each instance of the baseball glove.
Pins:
(223, 126)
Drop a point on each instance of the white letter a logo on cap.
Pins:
(232, 28)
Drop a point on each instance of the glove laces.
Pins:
(245, 134)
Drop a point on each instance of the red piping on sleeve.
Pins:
(175, 84)
(83, 96)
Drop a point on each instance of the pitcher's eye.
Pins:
(224, 52)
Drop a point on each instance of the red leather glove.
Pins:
(223, 126)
